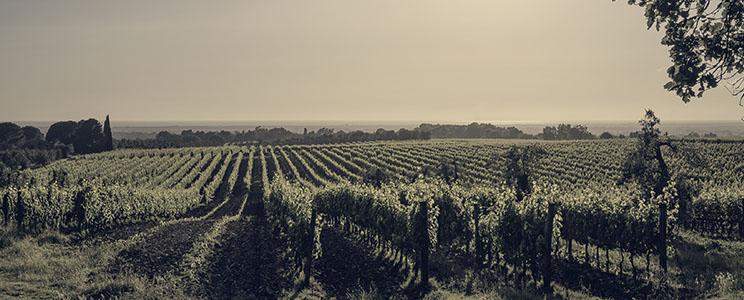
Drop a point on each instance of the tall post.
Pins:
(310, 247)
(478, 241)
(6, 209)
(548, 265)
(424, 243)
(20, 211)
(741, 221)
(663, 236)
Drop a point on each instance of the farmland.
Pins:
(272, 221)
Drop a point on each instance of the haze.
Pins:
(430, 60)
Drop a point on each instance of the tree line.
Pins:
(484, 130)
(190, 138)
(25, 146)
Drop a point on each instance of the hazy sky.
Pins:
(436, 60)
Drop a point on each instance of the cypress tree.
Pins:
(108, 142)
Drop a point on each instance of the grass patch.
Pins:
(47, 266)
(711, 266)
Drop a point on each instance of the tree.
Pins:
(88, 137)
(62, 132)
(31, 133)
(518, 169)
(606, 135)
(108, 139)
(706, 43)
(11, 135)
(14, 136)
(550, 133)
(646, 164)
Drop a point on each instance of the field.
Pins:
(272, 221)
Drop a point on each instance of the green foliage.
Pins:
(614, 218)
(289, 209)
(520, 162)
(646, 163)
(102, 191)
(705, 40)
(375, 176)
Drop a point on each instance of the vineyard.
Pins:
(256, 221)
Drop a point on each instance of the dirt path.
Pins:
(348, 265)
(161, 250)
(247, 263)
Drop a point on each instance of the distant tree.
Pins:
(31, 133)
(108, 139)
(33, 138)
(566, 132)
(11, 135)
(520, 162)
(606, 135)
(473, 130)
(550, 133)
(578, 132)
(63, 132)
(706, 43)
(693, 135)
(88, 137)
(164, 135)
(710, 135)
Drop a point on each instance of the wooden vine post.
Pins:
(741, 220)
(20, 211)
(478, 242)
(548, 263)
(6, 209)
(424, 243)
(663, 236)
(310, 248)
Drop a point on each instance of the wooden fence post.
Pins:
(478, 242)
(310, 248)
(20, 211)
(741, 221)
(548, 265)
(6, 209)
(424, 243)
(663, 236)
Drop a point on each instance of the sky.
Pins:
(331, 60)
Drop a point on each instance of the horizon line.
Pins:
(445, 122)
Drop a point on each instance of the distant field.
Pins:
(572, 162)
